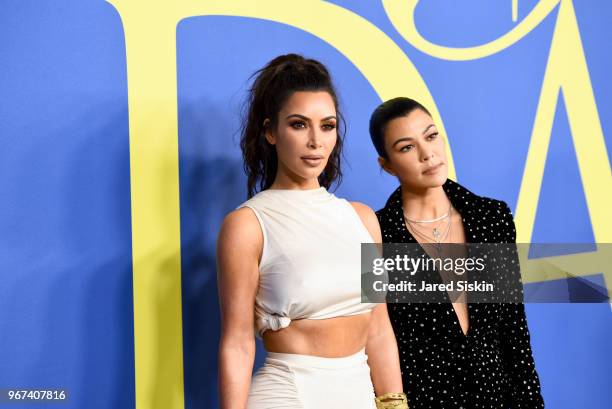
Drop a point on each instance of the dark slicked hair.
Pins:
(385, 113)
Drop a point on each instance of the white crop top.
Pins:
(311, 260)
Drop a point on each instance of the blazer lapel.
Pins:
(463, 201)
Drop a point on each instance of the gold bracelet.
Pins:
(392, 400)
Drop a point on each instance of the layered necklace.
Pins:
(438, 233)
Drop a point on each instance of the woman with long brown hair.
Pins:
(289, 260)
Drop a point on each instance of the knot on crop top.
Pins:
(269, 321)
(310, 264)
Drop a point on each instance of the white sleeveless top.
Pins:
(311, 260)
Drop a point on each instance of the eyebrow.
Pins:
(308, 119)
(410, 138)
(407, 138)
(427, 129)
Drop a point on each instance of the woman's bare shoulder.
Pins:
(369, 219)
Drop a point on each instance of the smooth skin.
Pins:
(416, 156)
(304, 137)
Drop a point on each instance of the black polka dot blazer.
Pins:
(490, 367)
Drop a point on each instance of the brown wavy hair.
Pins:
(271, 87)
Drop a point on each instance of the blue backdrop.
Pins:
(66, 258)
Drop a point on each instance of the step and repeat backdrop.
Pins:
(119, 157)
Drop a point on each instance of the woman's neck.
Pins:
(291, 182)
(424, 204)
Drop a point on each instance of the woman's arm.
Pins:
(239, 247)
(381, 346)
(383, 357)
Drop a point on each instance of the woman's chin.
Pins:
(312, 172)
(433, 180)
(309, 174)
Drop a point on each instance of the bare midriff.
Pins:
(331, 337)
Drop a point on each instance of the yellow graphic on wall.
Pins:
(150, 40)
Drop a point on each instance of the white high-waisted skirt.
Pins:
(312, 382)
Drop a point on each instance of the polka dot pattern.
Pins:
(490, 367)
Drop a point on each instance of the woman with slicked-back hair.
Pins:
(456, 353)
(289, 260)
